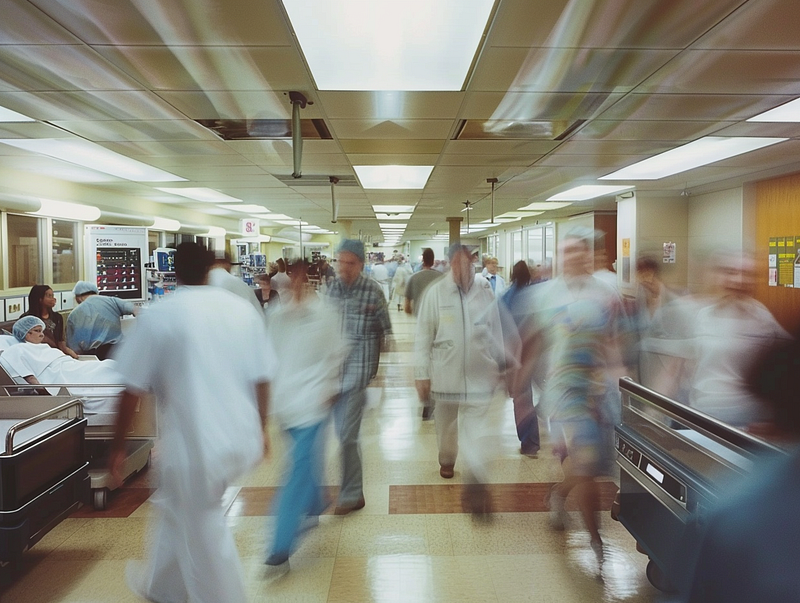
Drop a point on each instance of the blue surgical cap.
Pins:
(82, 287)
(354, 246)
(25, 324)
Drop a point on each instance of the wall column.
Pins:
(454, 223)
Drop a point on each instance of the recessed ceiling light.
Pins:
(393, 216)
(199, 193)
(393, 176)
(388, 45)
(789, 112)
(247, 208)
(689, 156)
(166, 224)
(274, 217)
(7, 115)
(392, 225)
(500, 220)
(93, 156)
(545, 206)
(588, 191)
(67, 211)
(291, 222)
(520, 214)
(388, 209)
(215, 231)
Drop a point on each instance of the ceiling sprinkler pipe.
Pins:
(492, 181)
(298, 101)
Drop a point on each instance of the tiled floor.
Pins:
(411, 543)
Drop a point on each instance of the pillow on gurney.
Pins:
(100, 402)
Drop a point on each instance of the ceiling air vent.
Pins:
(306, 180)
(265, 129)
(507, 129)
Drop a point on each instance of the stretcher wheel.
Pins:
(658, 579)
(100, 498)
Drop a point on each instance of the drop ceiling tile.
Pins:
(565, 70)
(169, 161)
(31, 129)
(141, 130)
(500, 147)
(608, 162)
(177, 22)
(393, 130)
(769, 25)
(232, 104)
(222, 173)
(52, 168)
(648, 130)
(760, 129)
(606, 24)
(615, 147)
(454, 159)
(95, 105)
(270, 147)
(532, 106)
(184, 68)
(392, 146)
(728, 72)
(704, 107)
(168, 148)
(25, 24)
(43, 68)
(383, 105)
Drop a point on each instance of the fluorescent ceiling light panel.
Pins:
(291, 222)
(67, 211)
(789, 112)
(389, 209)
(215, 231)
(389, 45)
(200, 193)
(393, 216)
(393, 176)
(166, 224)
(588, 191)
(275, 217)
(689, 156)
(392, 225)
(499, 220)
(247, 208)
(95, 157)
(520, 214)
(7, 115)
(545, 206)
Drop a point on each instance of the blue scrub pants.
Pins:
(302, 495)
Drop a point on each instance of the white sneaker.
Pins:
(273, 572)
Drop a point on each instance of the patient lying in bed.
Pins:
(38, 363)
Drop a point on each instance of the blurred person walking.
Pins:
(94, 327)
(496, 281)
(524, 410)
(220, 276)
(575, 326)
(459, 365)
(367, 328)
(205, 354)
(310, 346)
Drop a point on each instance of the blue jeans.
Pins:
(347, 413)
(302, 494)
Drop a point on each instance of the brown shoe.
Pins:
(446, 471)
(345, 509)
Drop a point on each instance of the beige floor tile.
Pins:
(308, 581)
(368, 535)
(107, 539)
(506, 533)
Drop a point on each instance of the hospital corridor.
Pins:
(412, 542)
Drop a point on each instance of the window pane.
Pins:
(65, 268)
(153, 237)
(516, 247)
(549, 242)
(535, 248)
(24, 261)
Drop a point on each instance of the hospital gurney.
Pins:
(43, 468)
(100, 428)
(675, 462)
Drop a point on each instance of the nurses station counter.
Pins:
(675, 463)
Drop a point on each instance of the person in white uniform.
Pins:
(206, 356)
(307, 333)
(496, 281)
(220, 276)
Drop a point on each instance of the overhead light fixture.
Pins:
(788, 112)
(394, 225)
(389, 209)
(703, 151)
(247, 208)
(215, 231)
(393, 176)
(588, 191)
(166, 224)
(520, 214)
(393, 216)
(200, 193)
(291, 222)
(388, 45)
(68, 211)
(93, 156)
(7, 115)
(500, 220)
(545, 206)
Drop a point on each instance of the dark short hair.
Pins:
(427, 256)
(521, 274)
(192, 262)
(647, 263)
(296, 265)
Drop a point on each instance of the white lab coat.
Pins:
(201, 351)
(219, 277)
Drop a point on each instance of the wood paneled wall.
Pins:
(777, 215)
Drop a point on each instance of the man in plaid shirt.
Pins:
(367, 326)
